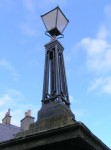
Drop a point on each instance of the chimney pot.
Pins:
(28, 113)
(27, 120)
(7, 119)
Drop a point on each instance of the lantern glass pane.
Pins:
(50, 20)
(61, 21)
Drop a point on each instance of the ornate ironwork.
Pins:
(55, 85)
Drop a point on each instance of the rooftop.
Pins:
(8, 132)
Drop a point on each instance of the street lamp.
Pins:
(55, 22)
(55, 97)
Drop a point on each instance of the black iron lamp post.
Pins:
(55, 98)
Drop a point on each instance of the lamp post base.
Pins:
(54, 115)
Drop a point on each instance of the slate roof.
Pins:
(8, 132)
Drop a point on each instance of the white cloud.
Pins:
(5, 99)
(103, 33)
(98, 55)
(10, 68)
(101, 85)
(15, 94)
(6, 64)
(98, 52)
(10, 97)
(94, 46)
(95, 84)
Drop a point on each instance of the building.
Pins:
(7, 130)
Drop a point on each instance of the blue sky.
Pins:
(87, 54)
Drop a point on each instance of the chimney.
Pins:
(27, 120)
(7, 119)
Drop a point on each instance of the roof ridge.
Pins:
(9, 125)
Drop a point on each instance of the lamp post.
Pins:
(55, 98)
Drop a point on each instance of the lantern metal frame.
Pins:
(54, 32)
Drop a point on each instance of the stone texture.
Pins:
(70, 137)
(51, 116)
